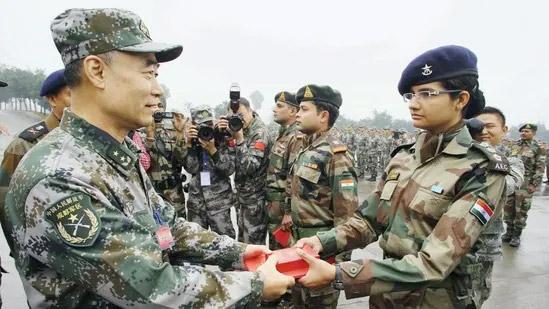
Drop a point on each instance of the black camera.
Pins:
(159, 116)
(205, 132)
(236, 122)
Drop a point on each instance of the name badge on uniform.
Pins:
(205, 179)
(393, 175)
(437, 189)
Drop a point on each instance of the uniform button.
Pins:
(353, 270)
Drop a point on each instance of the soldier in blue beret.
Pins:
(434, 201)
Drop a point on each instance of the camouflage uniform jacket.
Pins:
(251, 162)
(532, 155)
(82, 232)
(323, 185)
(167, 153)
(280, 161)
(220, 167)
(428, 216)
(20, 146)
(514, 180)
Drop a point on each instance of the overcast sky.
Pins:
(357, 47)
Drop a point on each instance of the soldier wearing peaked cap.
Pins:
(322, 181)
(532, 154)
(434, 200)
(85, 226)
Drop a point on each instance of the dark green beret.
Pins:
(324, 94)
(530, 126)
(286, 97)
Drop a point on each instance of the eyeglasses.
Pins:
(423, 95)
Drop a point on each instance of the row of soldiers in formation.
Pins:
(87, 226)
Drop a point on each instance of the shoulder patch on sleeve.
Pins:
(259, 145)
(338, 147)
(497, 162)
(74, 220)
(32, 133)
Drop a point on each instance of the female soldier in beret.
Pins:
(432, 204)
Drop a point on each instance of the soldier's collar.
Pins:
(460, 143)
(122, 155)
(318, 137)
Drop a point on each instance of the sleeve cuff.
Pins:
(328, 241)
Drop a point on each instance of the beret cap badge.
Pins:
(308, 93)
(427, 70)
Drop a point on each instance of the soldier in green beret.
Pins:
(323, 181)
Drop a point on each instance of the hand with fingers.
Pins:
(312, 242)
(275, 284)
(320, 274)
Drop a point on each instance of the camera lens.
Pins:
(205, 132)
(235, 123)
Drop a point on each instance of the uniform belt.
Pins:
(275, 196)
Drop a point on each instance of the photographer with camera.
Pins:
(251, 151)
(165, 142)
(210, 160)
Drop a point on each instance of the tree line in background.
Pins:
(24, 87)
(23, 91)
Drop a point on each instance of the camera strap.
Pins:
(205, 173)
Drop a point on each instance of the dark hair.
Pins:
(244, 102)
(495, 111)
(332, 111)
(470, 84)
(73, 70)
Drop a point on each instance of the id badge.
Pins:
(205, 179)
(164, 237)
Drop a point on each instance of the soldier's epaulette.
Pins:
(34, 132)
(400, 147)
(497, 162)
(338, 147)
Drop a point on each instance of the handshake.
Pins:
(281, 268)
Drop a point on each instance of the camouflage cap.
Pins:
(201, 114)
(78, 33)
(3, 84)
(324, 94)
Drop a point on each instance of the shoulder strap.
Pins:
(32, 133)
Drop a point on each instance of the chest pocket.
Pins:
(277, 158)
(309, 174)
(430, 204)
(145, 219)
(388, 190)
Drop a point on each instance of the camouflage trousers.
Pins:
(176, 198)
(214, 214)
(321, 298)
(371, 166)
(252, 219)
(516, 211)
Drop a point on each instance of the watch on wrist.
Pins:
(338, 282)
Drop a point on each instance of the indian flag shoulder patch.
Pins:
(347, 183)
(482, 211)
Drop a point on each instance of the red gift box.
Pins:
(282, 237)
(289, 262)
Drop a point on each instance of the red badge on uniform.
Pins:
(259, 145)
(232, 142)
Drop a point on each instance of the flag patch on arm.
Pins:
(347, 183)
(259, 145)
(482, 211)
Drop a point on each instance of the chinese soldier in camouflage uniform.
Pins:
(493, 131)
(252, 149)
(165, 144)
(2, 84)
(84, 223)
(434, 200)
(280, 160)
(323, 181)
(518, 205)
(210, 162)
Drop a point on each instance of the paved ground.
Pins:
(520, 279)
